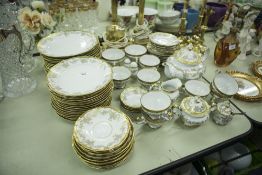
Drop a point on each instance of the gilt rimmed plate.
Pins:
(225, 84)
(67, 44)
(164, 39)
(250, 87)
(102, 129)
(257, 69)
(79, 76)
(197, 88)
(131, 97)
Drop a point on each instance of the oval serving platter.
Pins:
(250, 87)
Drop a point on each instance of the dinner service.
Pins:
(194, 111)
(134, 51)
(197, 88)
(79, 84)
(149, 61)
(186, 63)
(169, 17)
(103, 137)
(222, 114)
(121, 75)
(170, 87)
(130, 98)
(257, 69)
(224, 85)
(249, 87)
(113, 56)
(63, 45)
(157, 105)
(147, 77)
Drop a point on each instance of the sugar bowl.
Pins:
(222, 113)
(194, 111)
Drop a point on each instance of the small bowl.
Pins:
(169, 17)
(235, 151)
(149, 61)
(148, 76)
(121, 75)
(113, 56)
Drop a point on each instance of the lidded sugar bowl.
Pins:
(222, 113)
(186, 63)
(194, 111)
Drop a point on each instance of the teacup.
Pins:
(113, 56)
(149, 61)
(147, 77)
(121, 75)
(169, 17)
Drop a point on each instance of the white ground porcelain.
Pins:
(150, 11)
(149, 60)
(135, 50)
(121, 73)
(155, 101)
(127, 11)
(102, 128)
(79, 76)
(149, 75)
(65, 44)
(226, 84)
(164, 39)
(131, 97)
(197, 88)
(113, 54)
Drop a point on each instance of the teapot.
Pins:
(186, 63)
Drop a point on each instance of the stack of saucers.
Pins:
(130, 99)
(63, 45)
(162, 44)
(103, 138)
(80, 84)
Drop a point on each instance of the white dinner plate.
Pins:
(67, 44)
(102, 129)
(79, 76)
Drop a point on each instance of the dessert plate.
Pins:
(67, 44)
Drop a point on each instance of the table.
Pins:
(252, 109)
(34, 140)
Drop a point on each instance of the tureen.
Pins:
(194, 111)
(186, 63)
(222, 114)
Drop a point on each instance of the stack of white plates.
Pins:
(63, 45)
(80, 84)
(103, 138)
(162, 44)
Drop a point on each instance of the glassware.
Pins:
(16, 80)
(227, 49)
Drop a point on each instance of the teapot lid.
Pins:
(187, 55)
(195, 106)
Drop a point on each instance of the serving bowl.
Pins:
(147, 77)
(169, 17)
(121, 75)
